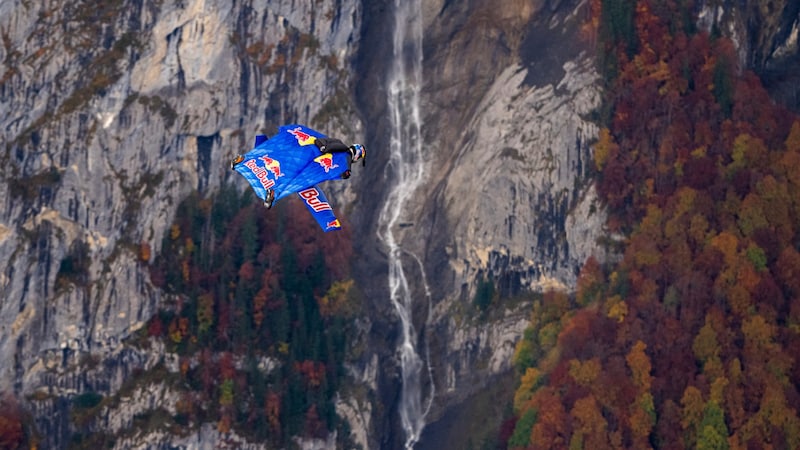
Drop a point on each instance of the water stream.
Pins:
(404, 173)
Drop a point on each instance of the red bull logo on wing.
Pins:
(326, 161)
(302, 137)
(311, 196)
(260, 173)
(273, 165)
(333, 224)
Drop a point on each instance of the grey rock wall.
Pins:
(508, 198)
(111, 113)
(765, 32)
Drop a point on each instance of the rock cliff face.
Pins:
(766, 35)
(509, 92)
(765, 31)
(112, 112)
(512, 203)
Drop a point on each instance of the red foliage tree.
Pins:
(12, 430)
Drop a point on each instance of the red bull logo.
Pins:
(333, 224)
(311, 196)
(326, 161)
(273, 165)
(302, 137)
(260, 173)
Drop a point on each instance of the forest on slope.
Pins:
(691, 338)
(262, 318)
(259, 321)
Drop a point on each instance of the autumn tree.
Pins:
(643, 414)
(12, 429)
(255, 350)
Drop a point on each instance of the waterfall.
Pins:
(404, 173)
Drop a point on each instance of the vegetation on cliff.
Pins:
(256, 289)
(259, 325)
(691, 339)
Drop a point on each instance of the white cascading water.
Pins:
(404, 173)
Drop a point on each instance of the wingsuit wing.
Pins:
(319, 207)
(289, 162)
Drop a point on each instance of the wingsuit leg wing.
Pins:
(319, 207)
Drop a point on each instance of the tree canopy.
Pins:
(691, 339)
